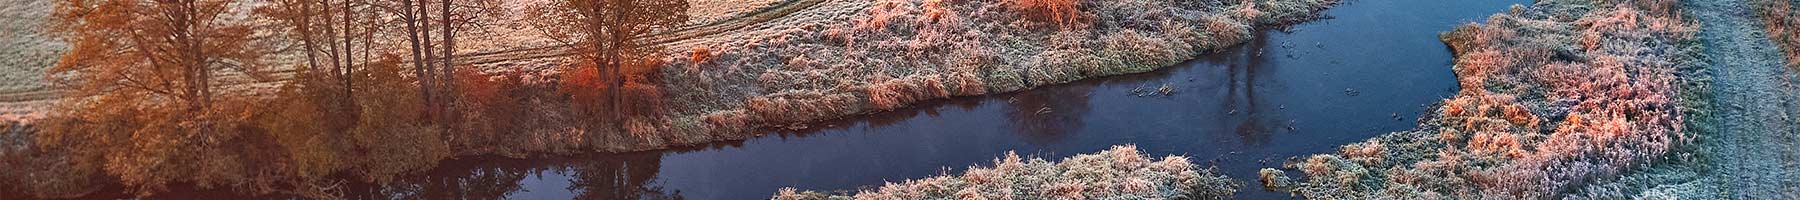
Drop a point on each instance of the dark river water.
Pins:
(1369, 69)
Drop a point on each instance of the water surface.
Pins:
(1369, 69)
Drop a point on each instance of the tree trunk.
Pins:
(449, 67)
(433, 105)
(412, 36)
(349, 57)
(304, 26)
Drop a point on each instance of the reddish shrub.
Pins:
(1246, 11)
(1783, 24)
(1061, 12)
(583, 84)
(491, 107)
(1370, 152)
(699, 55)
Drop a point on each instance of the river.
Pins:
(1370, 68)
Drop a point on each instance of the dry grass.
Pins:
(1547, 106)
(1119, 173)
(1061, 12)
(709, 11)
(889, 54)
(28, 51)
(1783, 23)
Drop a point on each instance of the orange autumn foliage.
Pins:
(144, 105)
(1062, 12)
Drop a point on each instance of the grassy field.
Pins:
(27, 54)
(702, 12)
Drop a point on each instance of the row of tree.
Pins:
(149, 104)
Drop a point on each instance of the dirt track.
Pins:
(1755, 151)
(765, 15)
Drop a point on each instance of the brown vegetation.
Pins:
(1783, 23)
(150, 110)
(1119, 173)
(1061, 12)
(147, 73)
(1547, 106)
(608, 32)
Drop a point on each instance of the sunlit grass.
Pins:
(1118, 173)
(1547, 106)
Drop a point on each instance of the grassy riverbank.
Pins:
(1559, 99)
(1119, 173)
(786, 65)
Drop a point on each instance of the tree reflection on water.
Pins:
(603, 176)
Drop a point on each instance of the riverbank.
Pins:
(880, 55)
(796, 63)
(944, 49)
(1550, 107)
(1118, 173)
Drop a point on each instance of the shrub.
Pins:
(699, 55)
(1062, 12)
(583, 84)
(493, 105)
(39, 171)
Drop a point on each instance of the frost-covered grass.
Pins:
(1119, 173)
(824, 59)
(28, 52)
(1555, 97)
(1783, 23)
(702, 12)
(869, 56)
(26, 55)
